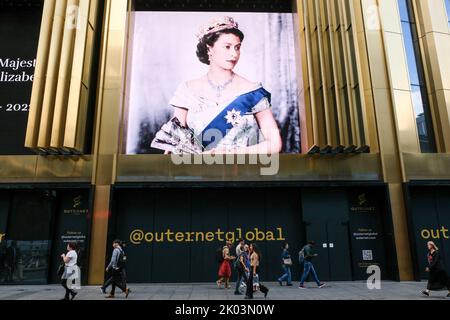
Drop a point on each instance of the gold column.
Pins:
(393, 110)
(80, 86)
(40, 74)
(106, 148)
(434, 35)
(65, 69)
(99, 233)
(59, 101)
(307, 136)
(51, 82)
(364, 72)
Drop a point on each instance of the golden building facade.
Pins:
(357, 90)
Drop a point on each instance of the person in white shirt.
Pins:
(70, 268)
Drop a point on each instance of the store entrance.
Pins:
(333, 249)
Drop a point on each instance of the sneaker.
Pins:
(103, 290)
(321, 285)
(127, 292)
(426, 293)
(110, 296)
(281, 283)
(73, 294)
(265, 293)
(301, 286)
(219, 283)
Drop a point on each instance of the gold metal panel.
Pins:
(435, 46)
(305, 103)
(389, 16)
(13, 167)
(427, 166)
(401, 232)
(371, 122)
(433, 15)
(88, 56)
(34, 116)
(406, 121)
(93, 12)
(396, 59)
(310, 69)
(99, 235)
(391, 163)
(111, 95)
(48, 103)
(141, 168)
(33, 169)
(76, 102)
(441, 61)
(62, 168)
(64, 74)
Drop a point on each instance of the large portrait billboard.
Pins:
(205, 82)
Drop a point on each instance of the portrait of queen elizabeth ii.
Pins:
(221, 110)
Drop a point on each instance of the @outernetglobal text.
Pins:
(225, 310)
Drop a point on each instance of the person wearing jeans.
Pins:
(309, 267)
(286, 264)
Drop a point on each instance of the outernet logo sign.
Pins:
(139, 236)
(441, 233)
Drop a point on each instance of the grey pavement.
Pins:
(206, 291)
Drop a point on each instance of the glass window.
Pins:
(415, 68)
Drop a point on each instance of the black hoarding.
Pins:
(19, 37)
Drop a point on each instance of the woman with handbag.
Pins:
(70, 270)
(253, 281)
(286, 264)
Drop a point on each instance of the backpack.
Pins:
(301, 256)
(121, 260)
(219, 255)
(237, 262)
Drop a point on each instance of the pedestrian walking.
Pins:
(306, 255)
(437, 276)
(117, 268)
(241, 267)
(71, 271)
(253, 282)
(225, 266)
(286, 264)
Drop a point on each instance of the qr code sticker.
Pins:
(367, 255)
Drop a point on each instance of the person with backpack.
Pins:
(305, 257)
(286, 264)
(116, 266)
(240, 266)
(225, 267)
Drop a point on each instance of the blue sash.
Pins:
(242, 105)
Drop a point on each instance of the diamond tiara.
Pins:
(217, 24)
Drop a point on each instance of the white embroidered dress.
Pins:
(202, 111)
